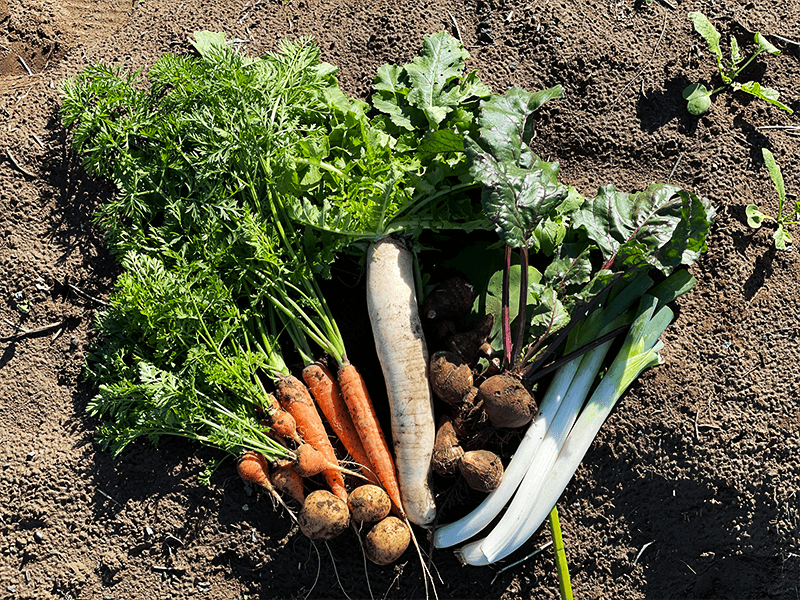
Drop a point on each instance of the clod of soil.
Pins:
(506, 401)
(450, 376)
(482, 470)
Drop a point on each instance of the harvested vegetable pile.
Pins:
(239, 183)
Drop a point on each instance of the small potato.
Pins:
(323, 516)
(368, 503)
(387, 541)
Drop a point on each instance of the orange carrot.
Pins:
(362, 411)
(326, 393)
(283, 423)
(286, 479)
(295, 399)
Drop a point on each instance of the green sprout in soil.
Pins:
(698, 97)
(755, 217)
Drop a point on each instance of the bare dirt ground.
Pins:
(691, 489)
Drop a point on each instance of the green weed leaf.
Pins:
(782, 238)
(736, 57)
(206, 41)
(754, 216)
(698, 99)
(709, 33)
(775, 174)
(764, 45)
(754, 88)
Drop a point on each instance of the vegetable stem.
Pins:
(562, 567)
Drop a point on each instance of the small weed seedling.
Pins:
(755, 217)
(698, 97)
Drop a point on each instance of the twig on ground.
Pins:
(22, 169)
(791, 127)
(675, 166)
(784, 40)
(455, 24)
(523, 559)
(638, 556)
(80, 292)
(647, 64)
(22, 332)
(24, 64)
(668, 3)
(38, 141)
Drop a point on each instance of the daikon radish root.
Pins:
(402, 351)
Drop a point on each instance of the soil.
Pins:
(689, 491)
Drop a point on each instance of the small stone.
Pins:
(38, 537)
(30, 455)
(73, 342)
(512, 66)
(148, 532)
(11, 589)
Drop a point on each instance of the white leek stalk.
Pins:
(528, 510)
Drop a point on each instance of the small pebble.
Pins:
(38, 537)
(73, 342)
(11, 589)
(30, 455)
(148, 532)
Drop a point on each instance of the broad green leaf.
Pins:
(782, 237)
(442, 141)
(440, 63)
(494, 296)
(548, 314)
(662, 226)
(698, 98)
(710, 34)
(764, 45)
(505, 123)
(754, 216)
(514, 198)
(391, 96)
(775, 174)
(765, 93)
(205, 41)
(572, 267)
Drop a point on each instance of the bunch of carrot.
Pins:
(348, 409)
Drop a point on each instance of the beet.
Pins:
(451, 377)
(482, 470)
(447, 452)
(506, 401)
(451, 298)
